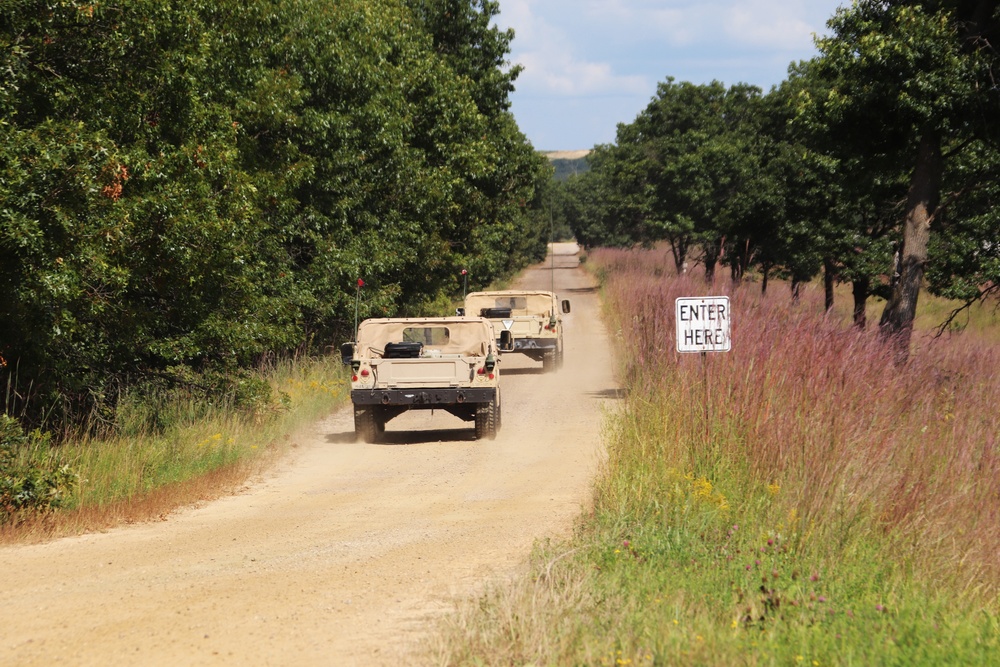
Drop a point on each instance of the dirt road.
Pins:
(345, 552)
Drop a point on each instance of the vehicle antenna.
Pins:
(552, 249)
(357, 302)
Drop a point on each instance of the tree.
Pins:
(913, 86)
(463, 34)
(188, 188)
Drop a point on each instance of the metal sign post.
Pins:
(703, 326)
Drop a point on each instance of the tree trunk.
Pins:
(921, 201)
(765, 273)
(679, 249)
(713, 254)
(862, 289)
(829, 276)
(796, 290)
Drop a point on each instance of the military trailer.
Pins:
(528, 322)
(423, 363)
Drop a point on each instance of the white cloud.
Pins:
(560, 73)
(589, 64)
(774, 24)
(769, 24)
(676, 23)
(551, 59)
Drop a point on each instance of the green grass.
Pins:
(203, 449)
(981, 319)
(797, 501)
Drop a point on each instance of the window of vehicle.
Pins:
(430, 336)
(512, 302)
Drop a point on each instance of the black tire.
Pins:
(549, 361)
(365, 425)
(486, 421)
(496, 415)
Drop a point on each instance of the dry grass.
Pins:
(536, 613)
(153, 506)
(202, 455)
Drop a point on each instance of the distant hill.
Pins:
(568, 163)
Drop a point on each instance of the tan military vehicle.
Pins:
(526, 321)
(423, 363)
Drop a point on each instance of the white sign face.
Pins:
(703, 324)
(507, 324)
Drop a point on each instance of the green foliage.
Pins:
(29, 487)
(169, 433)
(695, 169)
(190, 189)
(909, 93)
(475, 49)
(594, 202)
(965, 258)
(567, 167)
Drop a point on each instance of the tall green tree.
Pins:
(187, 188)
(842, 213)
(502, 221)
(913, 84)
(463, 32)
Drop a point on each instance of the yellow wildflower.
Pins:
(702, 487)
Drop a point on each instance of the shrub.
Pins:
(29, 488)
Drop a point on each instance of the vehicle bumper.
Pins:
(422, 397)
(523, 344)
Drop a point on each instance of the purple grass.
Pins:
(909, 452)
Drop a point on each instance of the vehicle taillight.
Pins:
(481, 371)
(364, 373)
(354, 378)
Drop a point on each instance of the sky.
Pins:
(591, 64)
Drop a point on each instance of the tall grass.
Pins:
(820, 411)
(798, 500)
(174, 449)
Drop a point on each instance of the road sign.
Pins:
(703, 324)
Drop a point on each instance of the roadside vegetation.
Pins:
(800, 500)
(166, 451)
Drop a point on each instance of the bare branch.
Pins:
(981, 296)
